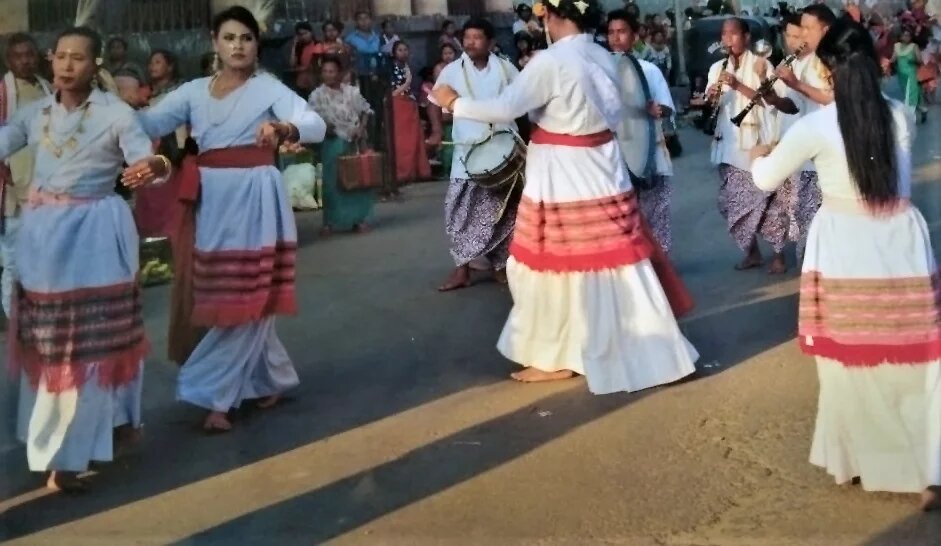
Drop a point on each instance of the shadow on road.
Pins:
(347, 504)
(733, 335)
(911, 532)
(374, 340)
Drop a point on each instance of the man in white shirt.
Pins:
(477, 231)
(748, 211)
(20, 86)
(807, 87)
(524, 19)
(655, 198)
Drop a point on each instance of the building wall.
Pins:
(14, 16)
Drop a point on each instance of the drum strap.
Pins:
(467, 81)
(470, 92)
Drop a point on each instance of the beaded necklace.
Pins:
(70, 141)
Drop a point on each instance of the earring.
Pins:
(216, 63)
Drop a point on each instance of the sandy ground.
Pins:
(405, 430)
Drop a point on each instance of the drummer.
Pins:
(656, 197)
(469, 209)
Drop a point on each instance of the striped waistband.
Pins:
(39, 197)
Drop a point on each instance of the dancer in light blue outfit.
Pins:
(78, 338)
(246, 239)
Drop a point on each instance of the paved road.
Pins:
(405, 430)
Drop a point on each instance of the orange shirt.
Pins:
(310, 51)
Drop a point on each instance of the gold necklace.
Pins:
(71, 142)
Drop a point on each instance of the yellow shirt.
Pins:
(21, 163)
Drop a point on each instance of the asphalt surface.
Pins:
(405, 429)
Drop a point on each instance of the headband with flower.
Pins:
(539, 9)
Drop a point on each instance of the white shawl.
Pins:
(749, 133)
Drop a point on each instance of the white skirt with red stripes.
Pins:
(587, 295)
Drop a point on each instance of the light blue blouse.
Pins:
(105, 138)
(234, 119)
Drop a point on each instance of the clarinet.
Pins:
(766, 88)
(713, 120)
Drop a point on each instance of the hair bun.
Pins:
(587, 14)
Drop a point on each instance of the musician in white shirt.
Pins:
(19, 87)
(471, 211)
(748, 211)
(654, 200)
(808, 89)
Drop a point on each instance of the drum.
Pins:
(498, 162)
(637, 133)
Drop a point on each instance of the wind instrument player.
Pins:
(747, 211)
(808, 86)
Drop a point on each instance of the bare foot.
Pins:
(778, 265)
(326, 231)
(751, 260)
(931, 498)
(459, 278)
(217, 421)
(532, 375)
(270, 402)
(499, 276)
(66, 482)
(126, 439)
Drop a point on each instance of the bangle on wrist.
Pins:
(167, 166)
(288, 132)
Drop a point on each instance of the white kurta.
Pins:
(808, 70)
(660, 93)
(732, 144)
(611, 320)
(469, 81)
(879, 415)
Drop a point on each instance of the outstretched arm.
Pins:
(771, 168)
(294, 110)
(172, 112)
(145, 168)
(533, 88)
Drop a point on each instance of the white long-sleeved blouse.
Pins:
(817, 137)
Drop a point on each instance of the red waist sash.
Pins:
(541, 136)
(236, 157)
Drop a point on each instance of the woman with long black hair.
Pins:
(869, 309)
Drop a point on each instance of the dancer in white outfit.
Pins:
(869, 310)
(583, 265)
